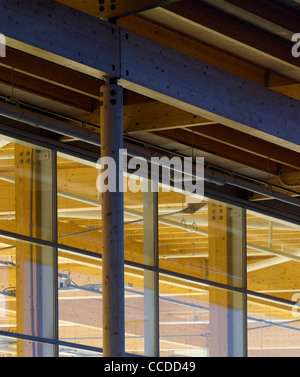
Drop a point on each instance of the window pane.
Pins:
(80, 304)
(273, 329)
(77, 352)
(140, 312)
(79, 210)
(201, 238)
(273, 257)
(133, 220)
(199, 321)
(9, 348)
(8, 319)
(27, 273)
(80, 299)
(26, 186)
(79, 206)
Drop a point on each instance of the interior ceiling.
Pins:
(248, 38)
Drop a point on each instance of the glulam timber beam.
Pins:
(220, 149)
(209, 54)
(72, 39)
(151, 116)
(248, 143)
(156, 115)
(13, 80)
(230, 27)
(271, 12)
(55, 74)
(291, 90)
(62, 35)
(66, 78)
(200, 50)
(117, 8)
(208, 91)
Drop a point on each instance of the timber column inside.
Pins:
(111, 102)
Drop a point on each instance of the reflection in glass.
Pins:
(26, 184)
(80, 299)
(174, 231)
(79, 206)
(79, 209)
(273, 256)
(273, 261)
(201, 238)
(273, 329)
(77, 352)
(140, 312)
(27, 293)
(197, 320)
(80, 304)
(8, 320)
(9, 345)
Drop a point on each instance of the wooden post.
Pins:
(226, 239)
(35, 275)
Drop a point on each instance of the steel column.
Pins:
(113, 223)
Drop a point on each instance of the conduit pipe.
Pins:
(222, 179)
(47, 123)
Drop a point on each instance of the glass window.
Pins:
(201, 238)
(26, 184)
(140, 312)
(198, 320)
(9, 347)
(8, 319)
(80, 299)
(133, 220)
(273, 257)
(167, 234)
(273, 328)
(65, 351)
(27, 287)
(79, 210)
(80, 304)
(79, 206)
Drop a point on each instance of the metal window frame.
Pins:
(224, 194)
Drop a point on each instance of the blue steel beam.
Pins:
(61, 34)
